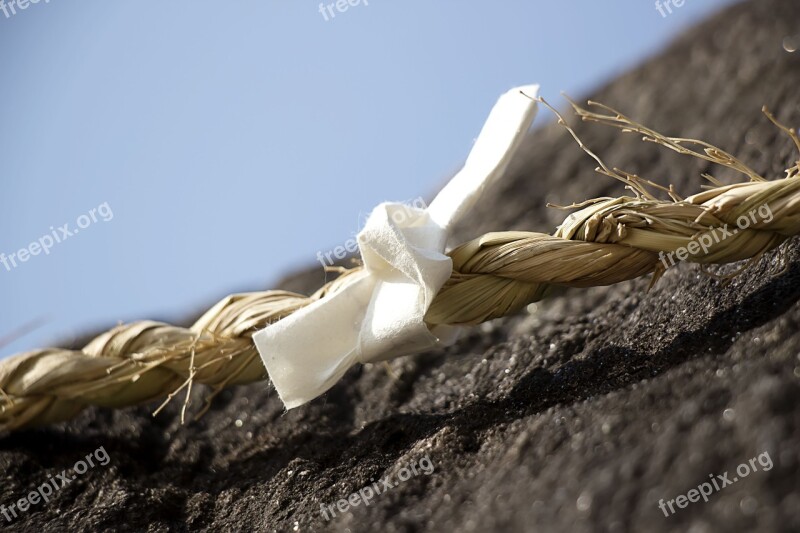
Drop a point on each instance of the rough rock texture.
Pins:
(578, 416)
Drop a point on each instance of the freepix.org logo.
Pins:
(49, 489)
(716, 483)
(10, 7)
(366, 494)
(330, 10)
(57, 235)
(328, 258)
(665, 7)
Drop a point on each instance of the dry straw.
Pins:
(607, 240)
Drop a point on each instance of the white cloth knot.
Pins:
(381, 313)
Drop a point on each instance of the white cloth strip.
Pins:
(381, 314)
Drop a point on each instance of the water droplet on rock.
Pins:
(584, 502)
(748, 505)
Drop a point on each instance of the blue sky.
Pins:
(231, 141)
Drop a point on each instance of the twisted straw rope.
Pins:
(607, 241)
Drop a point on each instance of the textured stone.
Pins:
(579, 417)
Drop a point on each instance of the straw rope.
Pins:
(608, 240)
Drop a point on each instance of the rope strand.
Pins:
(606, 241)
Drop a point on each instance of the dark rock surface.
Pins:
(578, 417)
